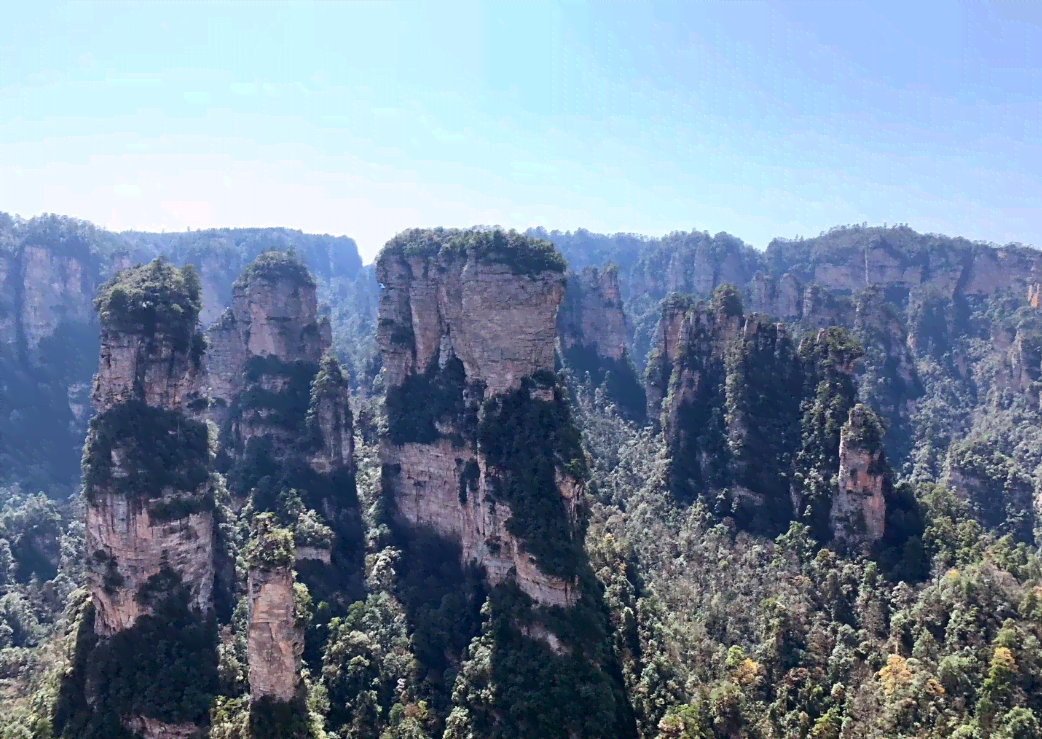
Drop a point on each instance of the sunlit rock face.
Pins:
(474, 327)
(858, 513)
(274, 641)
(149, 375)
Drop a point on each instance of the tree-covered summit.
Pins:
(277, 265)
(523, 254)
(154, 298)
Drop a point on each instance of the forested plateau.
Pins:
(505, 485)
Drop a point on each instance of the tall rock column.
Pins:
(146, 462)
(275, 641)
(271, 328)
(150, 533)
(858, 513)
(467, 329)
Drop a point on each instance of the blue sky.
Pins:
(761, 119)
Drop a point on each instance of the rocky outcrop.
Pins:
(331, 421)
(467, 328)
(781, 297)
(129, 546)
(591, 314)
(274, 313)
(146, 482)
(274, 641)
(593, 338)
(858, 514)
(499, 324)
(729, 385)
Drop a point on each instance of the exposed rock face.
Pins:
(781, 298)
(859, 509)
(591, 314)
(146, 372)
(274, 643)
(500, 325)
(472, 329)
(711, 367)
(128, 546)
(274, 312)
(671, 328)
(332, 422)
(56, 288)
(146, 366)
(593, 333)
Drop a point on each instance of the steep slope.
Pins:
(766, 430)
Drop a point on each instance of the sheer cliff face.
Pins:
(591, 314)
(274, 312)
(858, 514)
(460, 332)
(499, 324)
(274, 642)
(149, 501)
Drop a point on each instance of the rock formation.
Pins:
(858, 514)
(150, 533)
(275, 640)
(288, 445)
(274, 313)
(592, 329)
(149, 503)
(591, 314)
(467, 328)
(753, 422)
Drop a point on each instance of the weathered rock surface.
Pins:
(147, 367)
(127, 546)
(500, 324)
(591, 314)
(274, 642)
(332, 421)
(858, 514)
(445, 309)
(273, 313)
(132, 537)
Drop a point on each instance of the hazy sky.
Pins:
(761, 119)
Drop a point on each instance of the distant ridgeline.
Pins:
(950, 335)
(50, 270)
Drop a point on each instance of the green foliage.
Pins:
(828, 397)
(155, 298)
(527, 440)
(286, 407)
(271, 546)
(275, 265)
(522, 254)
(617, 377)
(166, 457)
(440, 393)
(541, 672)
(164, 667)
(274, 719)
